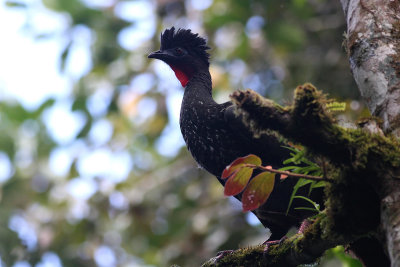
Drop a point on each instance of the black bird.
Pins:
(215, 136)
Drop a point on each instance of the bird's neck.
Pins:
(195, 80)
(199, 86)
(183, 76)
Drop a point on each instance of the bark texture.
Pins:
(373, 45)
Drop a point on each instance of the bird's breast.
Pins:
(208, 138)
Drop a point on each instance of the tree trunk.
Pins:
(373, 46)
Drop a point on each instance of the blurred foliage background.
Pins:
(94, 172)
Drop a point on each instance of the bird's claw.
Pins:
(267, 244)
(220, 255)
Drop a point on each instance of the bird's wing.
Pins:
(235, 121)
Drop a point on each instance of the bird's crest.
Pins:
(192, 42)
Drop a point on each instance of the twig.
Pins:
(289, 174)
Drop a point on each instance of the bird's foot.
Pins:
(221, 254)
(304, 225)
(267, 243)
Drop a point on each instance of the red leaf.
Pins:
(238, 163)
(258, 191)
(238, 181)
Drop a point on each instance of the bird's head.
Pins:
(184, 51)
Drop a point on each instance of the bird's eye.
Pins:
(179, 51)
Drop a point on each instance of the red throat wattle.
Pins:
(182, 77)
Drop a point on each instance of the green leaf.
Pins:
(288, 168)
(238, 164)
(258, 191)
(300, 183)
(316, 205)
(319, 184)
(306, 166)
(238, 181)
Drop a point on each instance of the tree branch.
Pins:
(373, 47)
(299, 249)
(308, 122)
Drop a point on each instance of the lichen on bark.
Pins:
(373, 46)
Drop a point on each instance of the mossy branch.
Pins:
(299, 249)
(363, 161)
(310, 123)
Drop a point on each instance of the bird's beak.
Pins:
(157, 54)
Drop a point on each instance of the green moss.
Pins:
(241, 257)
(356, 147)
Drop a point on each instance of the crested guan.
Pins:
(215, 136)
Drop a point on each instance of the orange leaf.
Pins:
(258, 191)
(238, 181)
(238, 163)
